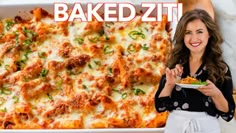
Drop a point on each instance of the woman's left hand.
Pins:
(210, 89)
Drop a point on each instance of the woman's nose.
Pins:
(194, 37)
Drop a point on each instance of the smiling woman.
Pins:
(196, 53)
(224, 15)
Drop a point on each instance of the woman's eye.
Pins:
(199, 32)
(187, 33)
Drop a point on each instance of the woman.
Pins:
(226, 19)
(196, 53)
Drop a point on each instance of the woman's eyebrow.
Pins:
(196, 30)
(199, 29)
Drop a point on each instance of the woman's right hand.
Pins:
(172, 75)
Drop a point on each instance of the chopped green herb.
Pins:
(124, 95)
(42, 54)
(2, 100)
(16, 38)
(131, 48)
(29, 36)
(50, 96)
(101, 33)
(5, 90)
(3, 110)
(85, 87)
(116, 90)
(29, 33)
(16, 99)
(109, 24)
(98, 63)
(144, 47)
(110, 70)
(94, 39)
(135, 34)
(26, 54)
(70, 71)
(90, 66)
(1, 35)
(79, 40)
(107, 50)
(9, 25)
(20, 64)
(59, 82)
(44, 73)
(107, 38)
(27, 42)
(200, 83)
(7, 67)
(137, 91)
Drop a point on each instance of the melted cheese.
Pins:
(98, 84)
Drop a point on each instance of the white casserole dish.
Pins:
(10, 10)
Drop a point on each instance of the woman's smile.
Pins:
(195, 44)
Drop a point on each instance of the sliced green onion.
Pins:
(85, 87)
(109, 24)
(107, 50)
(98, 63)
(2, 100)
(94, 39)
(50, 96)
(16, 99)
(110, 70)
(29, 36)
(144, 47)
(44, 73)
(20, 64)
(101, 33)
(42, 54)
(107, 38)
(7, 67)
(135, 34)
(26, 54)
(79, 40)
(5, 90)
(131, 48)
(9, 25)
(3, 110)
(59, 81)
(124, 95)
(116, 91)
(200, 83)
(27, 42)
(90, 66)
(16, 38)
(29, 33)
(1, 35)
(138, 91)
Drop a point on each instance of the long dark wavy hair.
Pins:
(212, 56)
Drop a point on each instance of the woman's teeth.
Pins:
(195, 44)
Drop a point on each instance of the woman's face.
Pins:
(196, 36)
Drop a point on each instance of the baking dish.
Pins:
(11, 10)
